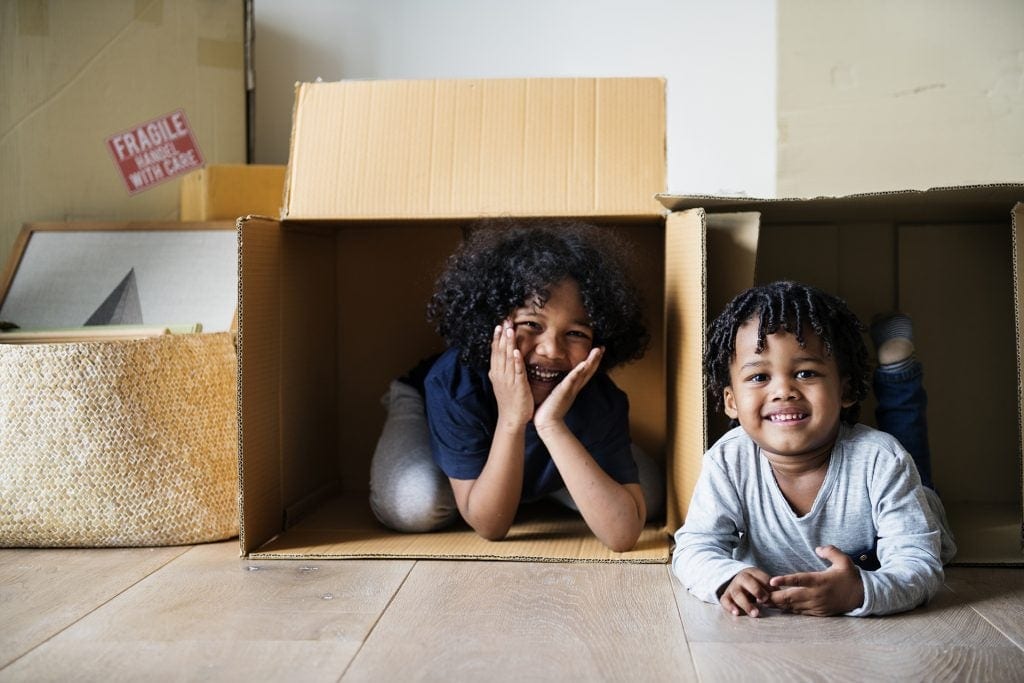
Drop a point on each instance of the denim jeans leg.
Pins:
(901, 411)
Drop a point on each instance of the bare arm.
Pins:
(614, 512)
(489, 502)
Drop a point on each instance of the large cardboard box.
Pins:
(949, 258)
(76, 73)
(382, 179)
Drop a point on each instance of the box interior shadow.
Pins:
(949, 265)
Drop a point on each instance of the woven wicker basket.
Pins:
(118, 443)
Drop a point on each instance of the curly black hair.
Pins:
(503, 263)
(793, 307)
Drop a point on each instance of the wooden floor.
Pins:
(201, 613)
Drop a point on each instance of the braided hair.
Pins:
(504, 263)
(794, 308)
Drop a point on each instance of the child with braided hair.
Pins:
(799, 507)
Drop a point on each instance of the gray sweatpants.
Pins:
(410, 493)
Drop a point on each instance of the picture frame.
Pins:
(147, 273)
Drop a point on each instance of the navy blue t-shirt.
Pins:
(463, 413)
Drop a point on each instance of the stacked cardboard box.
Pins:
(229, 191)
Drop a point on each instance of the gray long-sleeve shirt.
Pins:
(739, 518)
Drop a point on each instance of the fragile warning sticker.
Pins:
(155, 151)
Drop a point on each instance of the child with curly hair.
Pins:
(520, 406)
(799, 507)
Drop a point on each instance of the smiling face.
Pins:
(787, 398)
(553, 338)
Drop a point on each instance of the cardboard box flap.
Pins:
(287, 450)
(466, 148)
(969, 202)
(259, 462)
(685, 320)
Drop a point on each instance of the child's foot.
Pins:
(893, 335)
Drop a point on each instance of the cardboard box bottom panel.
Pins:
(334, 311)
(947, 259)
(344, 528)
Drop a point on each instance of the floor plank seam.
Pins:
(376, 621)
(971, 604)
(994, 625)
(102, 604)
(682, 623)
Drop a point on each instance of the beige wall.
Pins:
(74, 73)
(896, 94)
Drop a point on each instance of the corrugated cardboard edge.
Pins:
(1018, 301)
(289, 171)
(685, 321)
(445, 556)
(267, 524)
(680, 202)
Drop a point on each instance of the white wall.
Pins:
(718, 59)
(889, 95)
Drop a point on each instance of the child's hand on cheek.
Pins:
(508, 378)
(561, 398)
(836, 590)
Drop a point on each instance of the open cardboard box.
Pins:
(948, 257)
(383, 177)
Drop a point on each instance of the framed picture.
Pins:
(67, 275)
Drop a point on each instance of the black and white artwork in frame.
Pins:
(69, 278)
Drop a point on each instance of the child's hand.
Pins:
(508, 378)
(558, 402)
(836, 590)
(746, 592)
